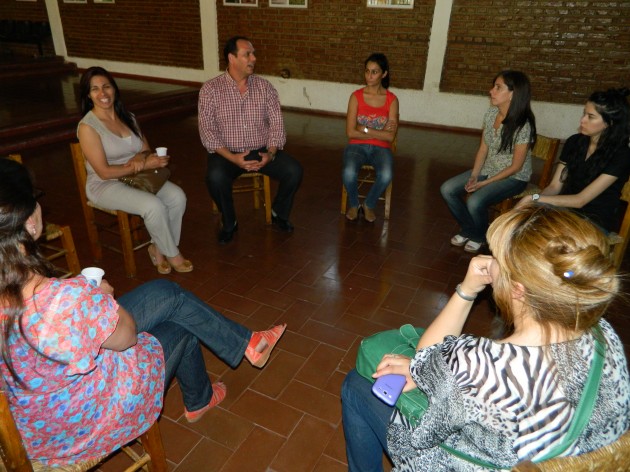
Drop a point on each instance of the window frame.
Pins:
(287, 5)
(239, 3)
(389, 5)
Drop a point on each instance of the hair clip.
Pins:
(568, 274)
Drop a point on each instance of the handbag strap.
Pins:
(581, 415)
(586, 404)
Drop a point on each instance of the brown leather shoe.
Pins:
(369, 214)
(352, 213)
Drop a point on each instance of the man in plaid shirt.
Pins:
(241, 126)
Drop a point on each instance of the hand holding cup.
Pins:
(94, 275)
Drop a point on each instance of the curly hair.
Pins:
(119, 107)
(562, 261)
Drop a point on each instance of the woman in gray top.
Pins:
(114, 147)
(502, 165)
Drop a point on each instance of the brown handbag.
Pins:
(150, 180)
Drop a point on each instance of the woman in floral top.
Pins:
(502, 165)
(85, 373)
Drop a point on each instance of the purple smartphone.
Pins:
(389, 387)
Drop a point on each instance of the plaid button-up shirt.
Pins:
(240, 122)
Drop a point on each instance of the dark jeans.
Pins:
(221, 174)
(472, 212)
(179, 320)
(365, 422)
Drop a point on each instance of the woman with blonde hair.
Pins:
(506, 400)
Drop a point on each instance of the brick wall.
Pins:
(568, 48)
(330, 40)
(161, 32)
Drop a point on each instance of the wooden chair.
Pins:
(52, 250)
(619, 240)
(366, 177)
(14, 458)
(258, 185)
(129, 228)
(546, 150)
(613, 458)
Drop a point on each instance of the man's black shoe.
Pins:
(226, 236)
(281, 224)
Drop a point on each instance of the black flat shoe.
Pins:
(225, 236)
(281, 224)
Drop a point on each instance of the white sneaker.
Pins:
(458, 240)
(472, 247)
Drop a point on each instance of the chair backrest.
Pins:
(78, 159)
(12, 450)
(546, 149)
(622, 238)
(613, 457)
(15, 157)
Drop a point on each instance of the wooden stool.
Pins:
(257, 187)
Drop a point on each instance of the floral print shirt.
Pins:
(79, 401)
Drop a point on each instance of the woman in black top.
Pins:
(594, 164)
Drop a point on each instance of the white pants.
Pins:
(162, 213)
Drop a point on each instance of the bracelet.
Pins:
(468, 298)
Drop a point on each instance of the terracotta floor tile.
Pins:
(275, 377)
(223, 427)
(313, 401)
(320, 366)
(276, 415)
(178, 439)
(336, 448)
(207, 456)
(301, 452)
(328, 464)
(256, 452)
(327, 334)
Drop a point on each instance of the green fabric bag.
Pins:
(403, 341)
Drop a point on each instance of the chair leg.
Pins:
(152, 444)
(388, 200)
(344, 199)
(267, 190)
(256, 192)
(127, 244)
(71, 253)
(90, 223)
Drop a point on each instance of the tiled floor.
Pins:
(332, 281)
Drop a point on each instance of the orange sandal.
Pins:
(219, 391)
(262, 343)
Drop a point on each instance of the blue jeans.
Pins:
(179, 320)
(472, 213)
(356, 155)
(365, 422)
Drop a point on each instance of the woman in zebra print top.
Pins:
(510, 399)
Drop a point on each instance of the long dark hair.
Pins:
(520, 111)
(86, 101)
(383, 63)
(19, 254)
(614, 109)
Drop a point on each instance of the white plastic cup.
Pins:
(93, 274)
(161, 151)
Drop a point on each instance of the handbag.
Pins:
(414, 403)
(150, 180)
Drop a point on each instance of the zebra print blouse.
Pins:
(505, 403)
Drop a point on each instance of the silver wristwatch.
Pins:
(535, 197)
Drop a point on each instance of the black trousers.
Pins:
(221, 174)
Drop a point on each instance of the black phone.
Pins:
(254, 156)
(389, 387)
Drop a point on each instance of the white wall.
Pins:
(429, 106)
